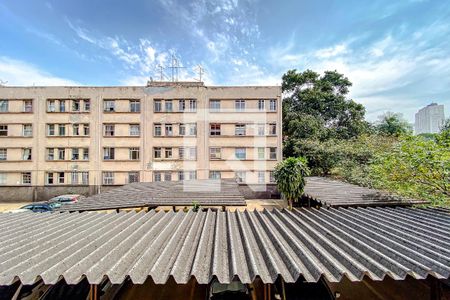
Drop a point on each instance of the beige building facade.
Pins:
(57, 140)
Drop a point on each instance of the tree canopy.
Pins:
(392, 124)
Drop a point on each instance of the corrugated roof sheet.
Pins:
(223, 192)
(336, 193)
(333, 243)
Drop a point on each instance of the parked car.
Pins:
(37, 207)
(65, 199)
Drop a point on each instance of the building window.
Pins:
(87, 105)
(62, 105)
(181, 152)
(3, 130)
(261, 153)
(109, 129)
(273, 105)
(271, 177)
(272, 129)
(261, 177)
(61, 178)
(76, 106)
(134, 153)
(4, 106)
(193, 105)
(214, 175)
(135, 106)
(239, 105)
(3, 178)
(215, 153)
(50, 154)
(193, 153)
(181, 105)
(74, 177)
(214, 129)
(109, 105)
(169, 130)
(108, 178)
(273, 153)
(168, 153)
(240, 176)
(76, 129)
(192, 175)
(168, 105)
(108, 153)
(61, 153)
(214, 105)
(261, 106)
(239, 129)
(240, 153)
(182, 129)
(193, 129)
(85, 178)
(51, 129)
(28, 105)
(26, 154)
(61, 129)
(26, 178)
(135, 130)
(157, 176)
(85, 153)
(133, 177)
(261, 129)
(27, 129)
(181, 175)
(157, 107)
(49, 178)
(3, 153)
(86, 129)
(75, 153)
(157, 129)
(51, 107)
(157, 152)
(167, 176)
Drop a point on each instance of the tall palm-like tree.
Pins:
(290, 177)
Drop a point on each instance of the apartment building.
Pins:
(429, 119)
(57, 140)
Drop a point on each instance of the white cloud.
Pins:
(331, 51)
(20, 73)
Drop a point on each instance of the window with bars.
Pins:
(26, 178)
(108, 178)
(133, 177)
(109, 129)
(214, 129)
(135, 106)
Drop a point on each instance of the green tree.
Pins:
(392, 124)
(316, 110)
(446, 125)
(290, 177)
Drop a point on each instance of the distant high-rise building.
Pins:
(429, 119)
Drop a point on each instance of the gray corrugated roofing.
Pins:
(223, 192)
(333, 243)
(336, 193)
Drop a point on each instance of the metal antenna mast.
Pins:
(174, 68)
(201, 71)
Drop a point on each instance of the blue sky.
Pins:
(396, 53)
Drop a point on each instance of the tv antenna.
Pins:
(201, 71)
(174, 68)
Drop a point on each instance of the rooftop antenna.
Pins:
(174, 68)
(201, 71)
(161, 73)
